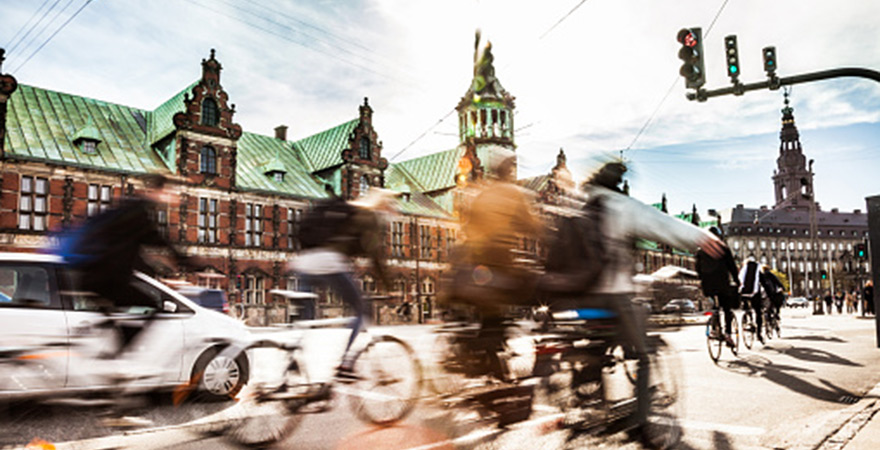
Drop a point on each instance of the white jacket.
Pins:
(624, 220)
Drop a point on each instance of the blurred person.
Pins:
(334, 232)
(851, 302)
(829, 302)
(774, 290)
(750, 290)
(107, 249)
(716, 275)
(624, 220)
(838, 301)
(868, 298)
(496, 221)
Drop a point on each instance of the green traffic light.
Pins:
(733, 69)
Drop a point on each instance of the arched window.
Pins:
(364, 149)
(208, 160)
(210, 113)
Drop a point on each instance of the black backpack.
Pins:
(328, 220)
(576, 256)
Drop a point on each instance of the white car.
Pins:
(39, 305)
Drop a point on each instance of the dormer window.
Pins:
(278, 177)
(364, 149)
(89, 146)
(208, 161)
(210, 113)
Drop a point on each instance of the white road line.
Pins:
(728, 429)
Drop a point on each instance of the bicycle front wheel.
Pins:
(734, 334)
(388, 380)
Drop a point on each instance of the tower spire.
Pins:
(792, 180)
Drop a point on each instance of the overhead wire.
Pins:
(70, 19)
(671, 87)
(12, 48)
(25, 25)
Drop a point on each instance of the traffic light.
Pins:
(691, 52)
(861, 250)
(824, 274)
(769, 61)
(732, 55)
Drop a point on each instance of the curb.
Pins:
(865, 410)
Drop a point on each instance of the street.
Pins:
(790, 393)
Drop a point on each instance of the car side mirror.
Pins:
(169, 306)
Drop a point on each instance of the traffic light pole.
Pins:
(775, 83)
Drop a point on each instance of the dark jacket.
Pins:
(114, 240)
(716, 274)
(771, 285)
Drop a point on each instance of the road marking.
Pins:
(476, 436)
(728, 429)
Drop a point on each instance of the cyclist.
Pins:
(750, 290)
(332, 234)
(623, 221)
(774, 289)
(715, 276)
(107, 249)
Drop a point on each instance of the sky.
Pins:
(589, 76)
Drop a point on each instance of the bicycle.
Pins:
(384, 388)
(591, 375)
(715, 336)
(771, 321)
(749, 326)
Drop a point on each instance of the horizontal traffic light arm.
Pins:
(773, 84)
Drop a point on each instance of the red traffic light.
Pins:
(687, 38)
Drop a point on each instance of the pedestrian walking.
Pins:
(868, 298)
(828, 302)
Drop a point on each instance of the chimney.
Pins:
(858, 211)
(835, 210)
(281, 132)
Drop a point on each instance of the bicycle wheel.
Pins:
(714, 338)
(663, 429)
(445, 371)
(748, 328)
(266, 409)
(388, 378)
(734, 334)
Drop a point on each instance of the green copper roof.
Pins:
(435, 171)
(161, 122)
(398, 179)
(421, 205)
(256, 153)
(323, 150)
(42, 124)
(88, 131)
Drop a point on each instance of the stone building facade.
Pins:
(813, 247)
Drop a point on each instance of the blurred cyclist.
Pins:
(334, 232)
(107, 248)
(624, 220)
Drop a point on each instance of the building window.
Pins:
(293, 283)
(397, 239)
(253, 225)
(278, 177)
(809, 247)
(736, 245)
(162, 222)
(428, 286)
(209, 280)
(207, 221)
(294, 218)
(399, 287)
(791, 245)
(368, 284)
(208, 161)
(849, 247)
(33, 203)
(824, 246)
(800, 245)
(751, 244)
(364, 149)
(210, 113)
(772, 245)
(763, 244)
(450, 240)
(89, 146)
(252, 291)
(840, 246)
(99, 199)
(365, 185)
(425, 247)
(784, 265)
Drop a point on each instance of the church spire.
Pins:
(792, 180)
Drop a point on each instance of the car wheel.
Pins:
(220, 377)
